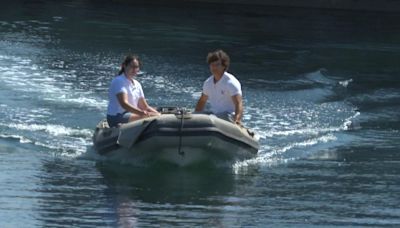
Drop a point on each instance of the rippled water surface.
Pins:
(320, 87)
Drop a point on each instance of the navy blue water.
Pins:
(320, 87)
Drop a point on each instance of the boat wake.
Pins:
(294, 118)
(300, 123)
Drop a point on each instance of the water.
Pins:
(320, 87)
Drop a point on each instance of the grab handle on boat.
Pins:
(181, 112)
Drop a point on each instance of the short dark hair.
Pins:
(128, 59)
(219, 55)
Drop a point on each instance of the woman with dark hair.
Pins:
(126, 98)
(221, 89)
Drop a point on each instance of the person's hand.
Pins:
(145, 113)
(154, 114)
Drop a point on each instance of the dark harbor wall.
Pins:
(363, 5)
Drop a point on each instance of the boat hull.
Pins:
(182, 140)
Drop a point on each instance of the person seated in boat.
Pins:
(221, 89)
(126, 98)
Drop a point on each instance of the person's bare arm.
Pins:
(145, 106)
(201, 103)
(123, 101)
(237, 100)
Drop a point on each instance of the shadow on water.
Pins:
(168, 195)
(166, 184)
(68, 190)
(101, 194)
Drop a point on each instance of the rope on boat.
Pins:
(181, 112)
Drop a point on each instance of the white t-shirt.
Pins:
(220, 93)
(121, 84)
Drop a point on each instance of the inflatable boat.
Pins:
(177, 136)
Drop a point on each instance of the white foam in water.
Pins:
(319, 77)
(174, 87)
(284, 120)
(274, 156)
(307, 131)
(287, 122)
(21, 139)
(66, 148)
(36, 83)
(349, 123)
(55, 130)
(379, 96)
(21, 75)
(63, 140)
(345, 83)
(32, 81)
(66, 141)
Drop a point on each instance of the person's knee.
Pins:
(134, 117)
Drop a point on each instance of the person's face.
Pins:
(217, 68)
(132, 68)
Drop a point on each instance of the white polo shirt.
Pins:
(220, 93)
(121, 84)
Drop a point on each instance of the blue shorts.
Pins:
(228, 116)
(120, 118)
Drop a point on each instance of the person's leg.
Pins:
(154, 113)
(117, 120)
(226, 116)
(114, 121)
(129, 117)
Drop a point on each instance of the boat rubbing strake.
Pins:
(177, 136)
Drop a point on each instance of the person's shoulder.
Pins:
(115, 80)
(137, 83)
(209, 80)
(231, 78)
(118, 78)
(229, 75)
(118, 81)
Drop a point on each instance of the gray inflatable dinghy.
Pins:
(179, 137)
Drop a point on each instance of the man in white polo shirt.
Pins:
(221, 89)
